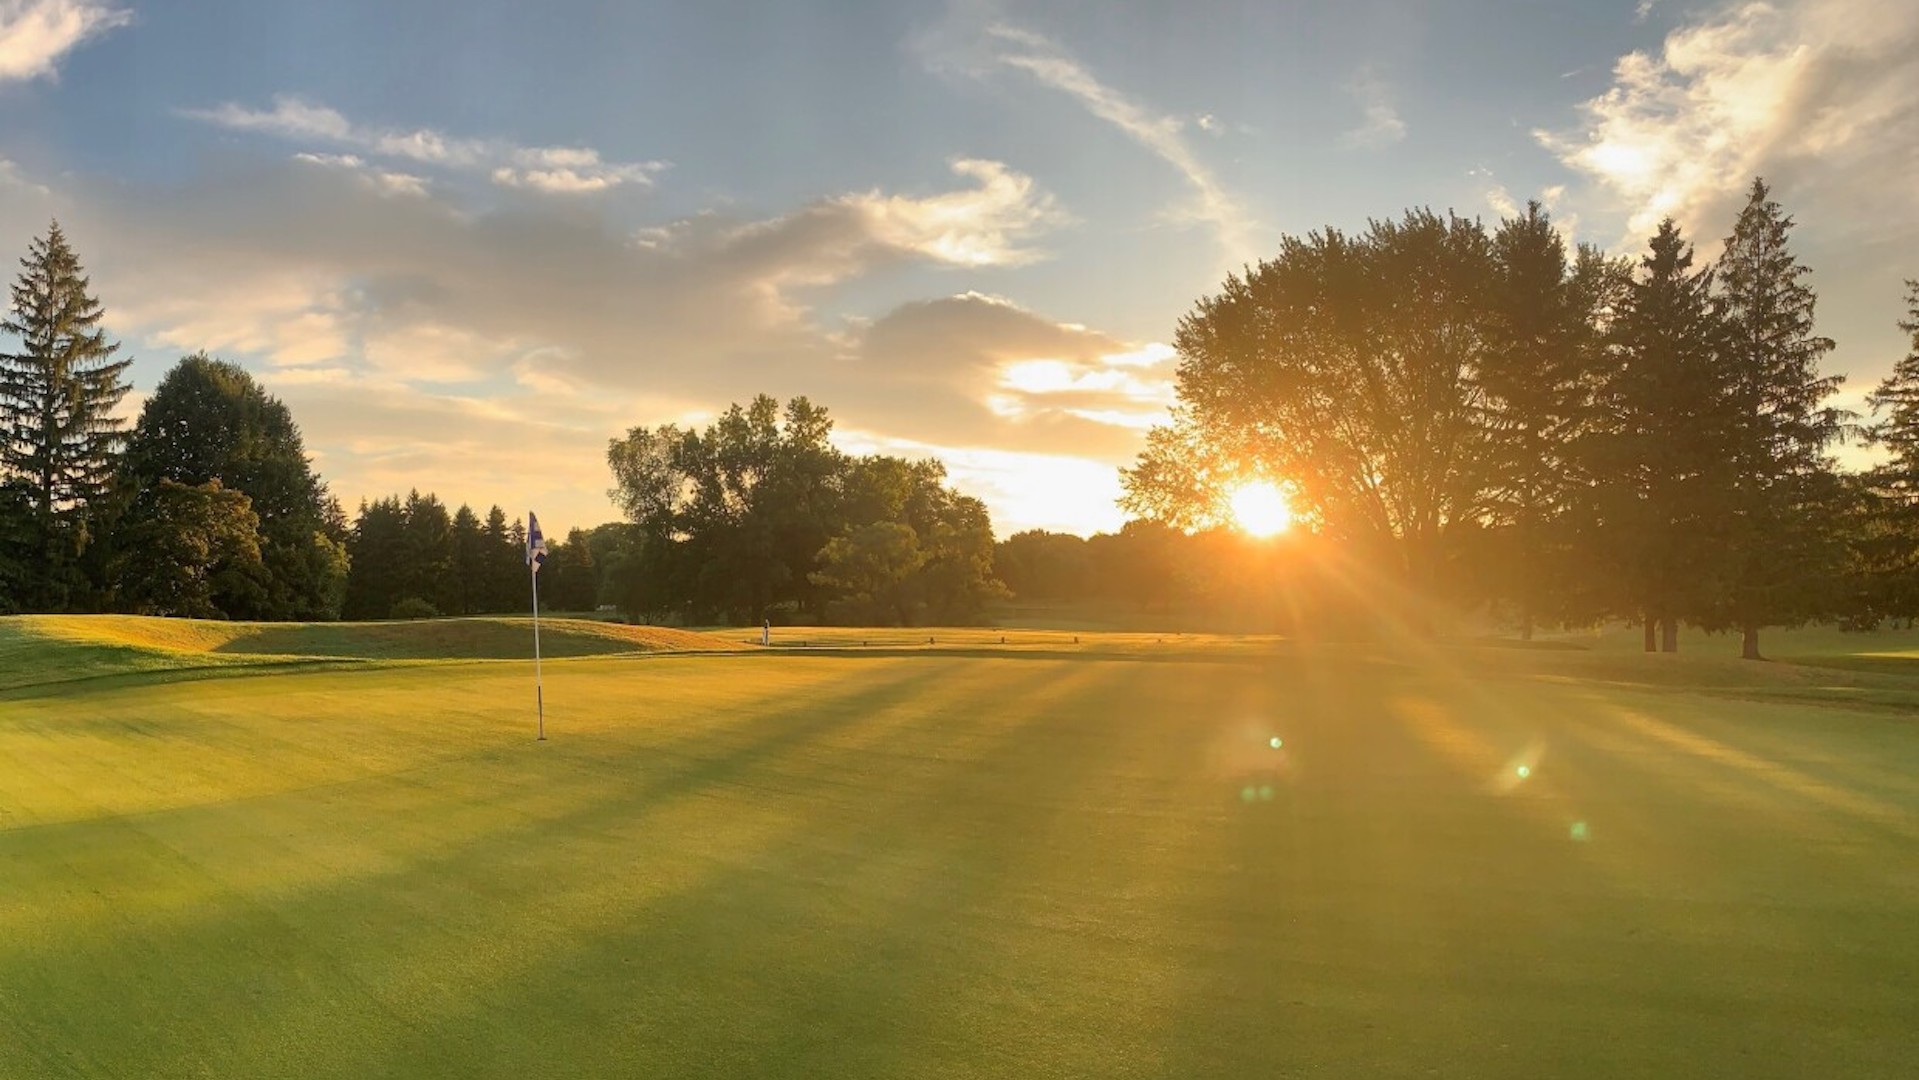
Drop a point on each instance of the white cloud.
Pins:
(979, 226)
(1821, 92)
(1160, 133)
(36, 34)
(561, 170)
(1381, 125)
(385, 181)
(11, 176)
(1644, 10)
(571, 170)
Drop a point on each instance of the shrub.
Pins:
(413, 608)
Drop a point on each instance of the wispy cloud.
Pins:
(563, 170)
(1822, 91)
(1380, 125)
(11, 176)
(383, 180)
(36, 34)
(1644, 10)
(984, 225)
(1161, 133)
(570, 171)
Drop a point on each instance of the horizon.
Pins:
(968, 232)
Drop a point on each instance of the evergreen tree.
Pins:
(376, 549)
(1535, 376)
(1665, 483)
(16, 548)
(506, 588)
(428, 553)
(1783, 554)
(574, 587)
(1886, 551)
(58, 433)
(469, 563)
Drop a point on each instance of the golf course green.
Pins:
(233, 850)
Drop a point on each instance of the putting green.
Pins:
(965, 860)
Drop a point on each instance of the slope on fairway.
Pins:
(36, 649)
(956, 864)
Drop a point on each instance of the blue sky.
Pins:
(470, 242)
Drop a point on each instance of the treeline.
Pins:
(1481, 415)
(759, 516)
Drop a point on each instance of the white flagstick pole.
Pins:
(539, 691)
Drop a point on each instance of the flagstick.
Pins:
(539, 691)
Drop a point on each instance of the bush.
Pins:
(413, 608)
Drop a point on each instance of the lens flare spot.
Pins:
(1275, 742)
(1523, 771)
(1266, 793)
(1248, 793)
(1579, 832)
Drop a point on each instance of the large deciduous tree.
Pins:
(1350, 367)
(209, 420)
(194, 553)
(59, 434)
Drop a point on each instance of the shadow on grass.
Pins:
(280, 934)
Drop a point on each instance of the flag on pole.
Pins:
(535, 556)
(535, 543)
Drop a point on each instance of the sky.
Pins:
(470, 242)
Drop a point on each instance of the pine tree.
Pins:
(1665, 484)
(469, 564)
(58, 433)
(376, 549)
(1782, 556)
(1888, 555)
(1537, 398)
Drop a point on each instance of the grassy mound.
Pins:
(39, 649)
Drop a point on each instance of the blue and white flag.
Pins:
(535, 543)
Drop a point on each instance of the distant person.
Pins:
(766, 631)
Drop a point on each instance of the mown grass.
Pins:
(965, 860)
(40, 649)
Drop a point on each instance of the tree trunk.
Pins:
(1749, 645)
(1652, 634)
(1669, 634)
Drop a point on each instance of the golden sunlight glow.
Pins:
(1260, 509)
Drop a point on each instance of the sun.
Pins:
(1260, 509)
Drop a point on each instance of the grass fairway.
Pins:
(1046, 859)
